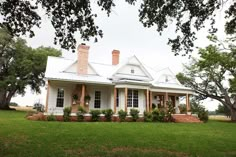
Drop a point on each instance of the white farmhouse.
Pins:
(121, 85)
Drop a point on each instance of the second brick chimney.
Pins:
(82, 64)
(115, 57)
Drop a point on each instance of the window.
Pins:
(132, 71)
(97, 99)
(60, 97)
(117, 97)
(132, 99)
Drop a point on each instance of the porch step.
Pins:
(185, 119)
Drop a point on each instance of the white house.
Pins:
(121, 85)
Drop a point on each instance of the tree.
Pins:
(213, 75)
(68, 17)
(20, 66)
(223, 110)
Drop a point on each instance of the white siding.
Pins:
(141, 101)
(73, 69)
(127, 70)
(52, 98)
(105, 96)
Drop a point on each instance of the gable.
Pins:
(132, 69)
(73, 69)
(166, 76)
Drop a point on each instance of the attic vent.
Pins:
(167, 79)
(132, 71)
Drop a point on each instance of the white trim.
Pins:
(180, 91)
(131, 86)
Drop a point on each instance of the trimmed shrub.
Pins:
(147, 116)
(108, 114)
(203, 114)
(122, 115)
(162, 115)
(134, 114)
(80, 114)
(95, 115)
(51, 117)
(66, 114)
(170, 111)
(155, 115)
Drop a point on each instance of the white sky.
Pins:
(122, 31)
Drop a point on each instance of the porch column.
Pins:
(187, 101)
(147, 100)
(82, 95)
(46, 109)
(126, 91)
(150, 101)
(115, 95)
(189, 104)
(166, 99)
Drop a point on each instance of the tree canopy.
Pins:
(213, 75)
(68, 17)
(20, 66)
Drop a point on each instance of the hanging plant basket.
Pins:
(87, 99)
(75, 98)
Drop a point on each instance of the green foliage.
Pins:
(108, 114)
(66, 114)
(182, 109)
(155, 115)
(190, 17)
(134, 114)
(203, 115)
(51, 117)
(162, 115)
(21, 66)
(13, 104)
(122, 115)
(169, 112)
(208, 75)
(223, 110)
(75, 97)
(39, 107)
(80, 113)
(154, 106)
(95, 115)
(147, 116)
(87, 98)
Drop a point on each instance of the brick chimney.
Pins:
(82, 65)
(115, 57)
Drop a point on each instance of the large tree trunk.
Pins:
(5, 100)
(233, 115)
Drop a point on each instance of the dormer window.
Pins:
(132, 71)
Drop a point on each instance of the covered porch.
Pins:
(61, 94)
(147, 98)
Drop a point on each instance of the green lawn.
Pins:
(24, 138)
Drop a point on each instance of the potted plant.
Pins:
(189, 112)
(75, 98)
(87, 99)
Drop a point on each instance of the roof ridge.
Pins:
(60, 57)
(101, 63)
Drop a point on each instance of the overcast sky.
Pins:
(122, 31)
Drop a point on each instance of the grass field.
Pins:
(23, 138)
